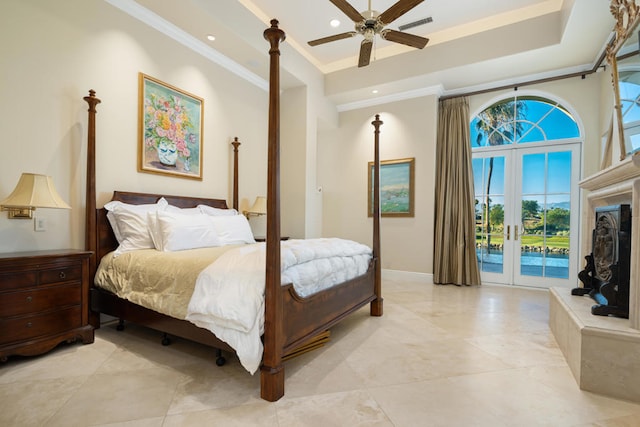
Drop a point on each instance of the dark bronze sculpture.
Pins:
(606, 276)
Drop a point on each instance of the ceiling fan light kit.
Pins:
(371, 22)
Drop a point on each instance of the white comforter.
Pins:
(228, 298)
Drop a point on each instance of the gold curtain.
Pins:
(608, 147)
(454, 260)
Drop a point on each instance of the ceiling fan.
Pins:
(371, 22)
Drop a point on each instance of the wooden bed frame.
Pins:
(291, 322)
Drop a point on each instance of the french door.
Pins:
(527, 214)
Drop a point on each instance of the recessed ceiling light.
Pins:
(374, 91)
(211, 37)
(334, 23)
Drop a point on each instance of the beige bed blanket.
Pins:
(161, 281)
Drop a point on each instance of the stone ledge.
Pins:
(603, 353)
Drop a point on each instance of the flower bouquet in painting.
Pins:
(171, 130)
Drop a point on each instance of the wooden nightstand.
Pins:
(44, 300)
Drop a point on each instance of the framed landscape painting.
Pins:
(396, 188)
(169, 130)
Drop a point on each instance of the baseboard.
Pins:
(426, 278)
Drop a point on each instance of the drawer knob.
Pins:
(29, 298)
(29, 324)
(62, 275)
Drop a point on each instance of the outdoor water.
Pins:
(531, 263)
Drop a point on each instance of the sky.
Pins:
(544, 172)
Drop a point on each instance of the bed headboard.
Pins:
(99, 237)
(106, 239)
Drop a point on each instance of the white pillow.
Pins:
(184, 211)
(233, 229)
(130, 224)
(154, 228)
(154, 233)
(210, 210)
(177, 232)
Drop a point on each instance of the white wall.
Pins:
(51, 54)
(409, 130)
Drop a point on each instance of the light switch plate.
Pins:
(40, 224)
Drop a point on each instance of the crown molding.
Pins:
(167, 28)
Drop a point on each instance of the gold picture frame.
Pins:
(170, 129)
(396, 187)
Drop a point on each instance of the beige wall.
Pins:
(293, 165)
(409, 130)
(52, 53)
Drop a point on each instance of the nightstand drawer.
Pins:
(24, 328)
(18, 279)
(35, 300)
(62, 274)
(44, 276)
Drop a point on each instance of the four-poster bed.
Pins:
(290, 321)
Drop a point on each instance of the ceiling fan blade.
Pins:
(332, 38)
(348, 10)
(404, 38)
(365, 53)
(397, 10)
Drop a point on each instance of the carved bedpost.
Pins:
(91, 237)
(272, 370)
(90, 232)
(235, 144)
(376, 305)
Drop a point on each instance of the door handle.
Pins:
(508, 231)
(515, 232)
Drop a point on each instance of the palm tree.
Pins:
(500, 124)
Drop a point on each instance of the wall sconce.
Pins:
(259, 207)
(32, 191)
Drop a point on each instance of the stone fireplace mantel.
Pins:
(602, 352)
(617, 184)
(626, 170)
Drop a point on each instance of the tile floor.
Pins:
(440, 356)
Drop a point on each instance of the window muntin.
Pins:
(522, 120)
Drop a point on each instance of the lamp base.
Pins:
(19, 213)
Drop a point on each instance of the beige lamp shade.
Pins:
(259, 206)
(34, 191)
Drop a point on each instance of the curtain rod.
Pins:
(582, 74)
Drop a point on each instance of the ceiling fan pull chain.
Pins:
(375, 45)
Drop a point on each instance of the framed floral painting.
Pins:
(170, 123)
(396, 188)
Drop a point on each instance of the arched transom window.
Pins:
(521, 120)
